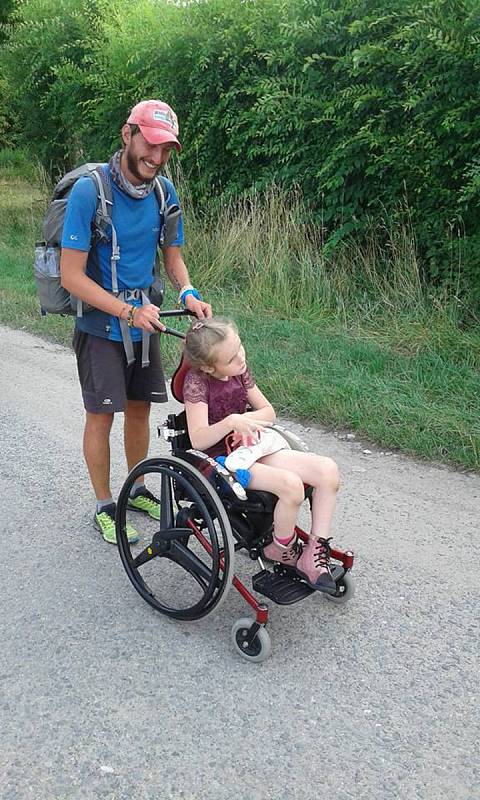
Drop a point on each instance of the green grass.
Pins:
(359, 353)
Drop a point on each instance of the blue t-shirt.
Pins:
(137, 223)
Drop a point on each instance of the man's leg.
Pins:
(101, 369)
(96, 449)
(136, 431)
(137, 437)
(145, 385)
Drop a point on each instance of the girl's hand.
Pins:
(248, 428)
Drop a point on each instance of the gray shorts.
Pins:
(106, 380)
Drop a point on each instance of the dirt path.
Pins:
(104, 698)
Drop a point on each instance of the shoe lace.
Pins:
(295, 548)
(146, 495)
(321, 554)
(106, 520)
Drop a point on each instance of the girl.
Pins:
(217, 389)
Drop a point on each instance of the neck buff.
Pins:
(119, 179)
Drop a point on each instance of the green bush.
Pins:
(370, 107)
(47, 65)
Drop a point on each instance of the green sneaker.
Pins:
(105, 523)
(147, 502)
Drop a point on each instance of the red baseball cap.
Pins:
(157, 122)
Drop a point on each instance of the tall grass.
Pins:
(350, 341)
(267, 249)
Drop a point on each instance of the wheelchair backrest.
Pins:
(178, 379)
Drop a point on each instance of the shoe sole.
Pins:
(328, 589)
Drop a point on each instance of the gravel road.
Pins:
(105, 699)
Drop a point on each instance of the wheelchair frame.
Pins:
(206, 517)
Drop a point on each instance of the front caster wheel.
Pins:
(259, 648)
(345, 590)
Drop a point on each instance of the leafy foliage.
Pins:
(47, 62)
(6, 10)
(371, 107)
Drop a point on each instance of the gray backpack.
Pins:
(54, 299)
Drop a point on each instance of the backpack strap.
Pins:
(161, 193)
(169, 215)
(104, 218)
(125, 331)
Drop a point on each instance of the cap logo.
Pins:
(164, 116)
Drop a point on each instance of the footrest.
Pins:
(282, 589)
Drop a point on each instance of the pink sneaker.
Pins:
(287, 554)
(314, 564)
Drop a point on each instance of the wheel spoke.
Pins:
(160, 544)
(189, 561)
(145, 556)
(166, 502)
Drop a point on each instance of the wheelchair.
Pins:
(183, 565)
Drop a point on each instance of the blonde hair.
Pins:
(203, 337)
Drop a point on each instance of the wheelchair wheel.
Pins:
(257, 650)
(183, 563)
(345, 590)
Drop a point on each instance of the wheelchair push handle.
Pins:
(174, 312)
(173, 332)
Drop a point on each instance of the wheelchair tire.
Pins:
(183, 565)
(345, 590)
(261, 647)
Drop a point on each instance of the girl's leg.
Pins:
(317, 471)
(322, 474)
(288, 487)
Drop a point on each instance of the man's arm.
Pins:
(178, 276)
(72, 267)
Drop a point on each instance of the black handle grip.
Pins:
(172, 332)
(177, 312)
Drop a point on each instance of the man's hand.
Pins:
(178, 275)
(201, 309)
(146, 318)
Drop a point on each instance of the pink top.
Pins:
(222, 397)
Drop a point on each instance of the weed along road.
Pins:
(104, 698)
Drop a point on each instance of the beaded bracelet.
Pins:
(131, 314)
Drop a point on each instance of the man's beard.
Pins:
(132, 162)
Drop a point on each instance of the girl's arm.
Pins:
(262, 408)
(202, 435)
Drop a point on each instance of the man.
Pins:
(119, 320)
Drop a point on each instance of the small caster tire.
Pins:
(345, 590)
(261, 647)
